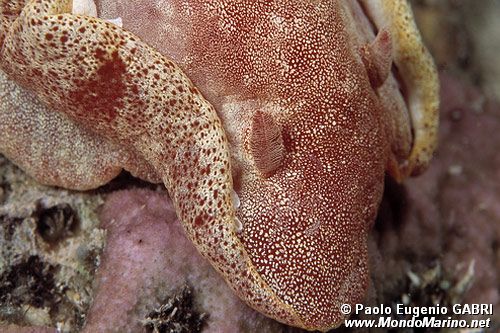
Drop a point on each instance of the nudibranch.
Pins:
(271, 124)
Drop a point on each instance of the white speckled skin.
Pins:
(295, 249)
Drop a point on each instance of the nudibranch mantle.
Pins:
(290, 104)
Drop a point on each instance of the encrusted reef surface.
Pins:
(436, 239)
(150, 275)
(49, 245)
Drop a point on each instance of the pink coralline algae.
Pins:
(148, 260)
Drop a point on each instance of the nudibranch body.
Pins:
(296, 100)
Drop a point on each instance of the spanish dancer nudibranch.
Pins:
(270, 123)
